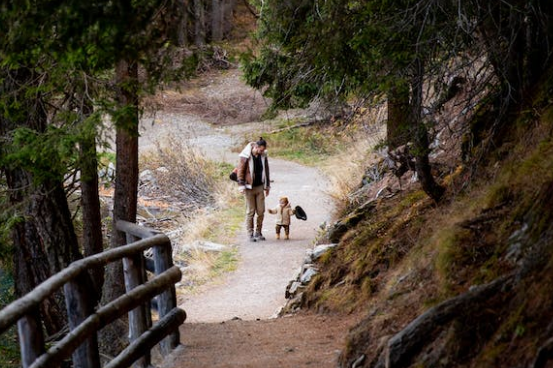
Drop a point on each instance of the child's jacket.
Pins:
(284, 214)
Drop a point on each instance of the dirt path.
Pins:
(230, 324)
(256, 289)
(289, 342)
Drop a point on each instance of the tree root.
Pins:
(409, 342)
(545, 353)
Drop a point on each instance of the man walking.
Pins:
(254, 182)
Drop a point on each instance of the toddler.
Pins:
(284, 212)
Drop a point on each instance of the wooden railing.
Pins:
(81, 343)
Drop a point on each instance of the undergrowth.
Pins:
(9, 348)
(214, 212)
(410, 255)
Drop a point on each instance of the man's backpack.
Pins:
(234, 174)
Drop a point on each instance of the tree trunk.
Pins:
(52, 218)
(199, 23)
(31, 268)
(126, 179)
(182, 31)
(217, 7)
(539, 29)
(46, 240)
(90, 203)
(228, 14)
(397, 126)
(420, 135)
(31, 336)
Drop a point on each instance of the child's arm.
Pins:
(272, 211)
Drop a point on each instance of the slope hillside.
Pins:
(463, 283)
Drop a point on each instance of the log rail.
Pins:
(81, 341)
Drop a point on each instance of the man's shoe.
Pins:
(253, 238)
(259, 236)
(277, 236)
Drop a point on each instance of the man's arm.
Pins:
(268, 173)
(241, 172)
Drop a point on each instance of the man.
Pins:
(254, 182)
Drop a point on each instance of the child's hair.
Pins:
(284, 198)
(261, 142)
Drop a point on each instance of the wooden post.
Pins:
(84, 322)
(24, 305)
(133, 269)
(167, 301)
(169, 323)
(79, 307)
(106, 315)
(31, 337)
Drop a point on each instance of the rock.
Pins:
(307, 275)
(305, 267)
(293, 305)
(294, 288)
(204, 246)
(319, 250)
(147, 177)
(516, 240)
(107, 174)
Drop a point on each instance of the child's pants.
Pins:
(286, 229)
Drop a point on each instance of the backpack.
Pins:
(234, 174)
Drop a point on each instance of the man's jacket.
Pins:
(245, 168)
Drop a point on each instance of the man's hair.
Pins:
(261, 142)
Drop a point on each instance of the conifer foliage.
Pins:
(396, 50)
(57, 65)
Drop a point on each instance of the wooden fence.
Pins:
(81, 343)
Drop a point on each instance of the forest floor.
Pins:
(232, 323)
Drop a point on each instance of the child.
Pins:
(284, 213)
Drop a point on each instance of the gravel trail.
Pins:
(232, 323)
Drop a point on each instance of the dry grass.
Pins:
(218, 97)
(342, 150)
(218, 226)
(183, 173)
(209, 209)
(456, 246)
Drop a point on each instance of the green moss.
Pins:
(413, 198)
(499, 192)
(449, 253)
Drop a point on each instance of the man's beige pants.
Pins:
(255, 204)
